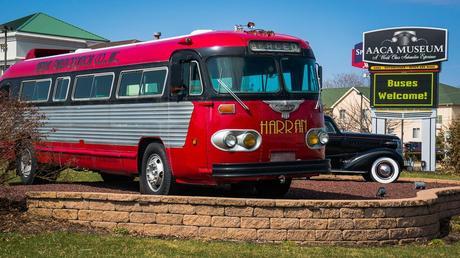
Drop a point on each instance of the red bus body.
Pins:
(110, 136)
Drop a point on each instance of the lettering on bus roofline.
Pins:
(78, 62)
(283, 126)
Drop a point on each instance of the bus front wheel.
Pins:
(155, 177)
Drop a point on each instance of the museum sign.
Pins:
(405, 46)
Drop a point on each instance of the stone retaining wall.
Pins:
(370, 222)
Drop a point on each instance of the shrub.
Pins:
(19, 126)
(453, 146)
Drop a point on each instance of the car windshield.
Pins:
(299, 75)
(244, 74)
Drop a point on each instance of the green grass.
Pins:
(70, 176)
(431, 175)
(84, 245)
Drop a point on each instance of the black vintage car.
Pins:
(377, 157)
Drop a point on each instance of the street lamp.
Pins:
(4, 46)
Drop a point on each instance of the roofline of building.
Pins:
(345, 94)
(102, 39)
(46, 36)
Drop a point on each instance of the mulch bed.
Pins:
(15, 221)
(13, 197)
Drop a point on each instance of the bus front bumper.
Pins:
(298, 168)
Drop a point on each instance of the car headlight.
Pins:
(316, 138)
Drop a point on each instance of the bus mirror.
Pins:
(320, 75)
(178, 90)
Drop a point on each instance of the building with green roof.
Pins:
(344, 104)
(40, 30)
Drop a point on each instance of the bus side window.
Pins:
(142, 83)
(130, 83)
(153, 82)
(61, 89)
(195, 83)
(94, 86)
(190, 78)
(35, 91)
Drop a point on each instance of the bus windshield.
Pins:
(257, 74)
(244, 74)
(299, 75)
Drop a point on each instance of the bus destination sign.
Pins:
(274, 46)
(403, 90)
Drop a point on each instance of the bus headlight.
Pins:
(313, 139)
(230, 140)
(249, 140)
(316, 138)
(236, 140)
(323, 138)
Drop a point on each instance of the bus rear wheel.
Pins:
(273, 188)
(155, 177)
(26, 165)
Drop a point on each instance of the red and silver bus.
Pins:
(209, 108)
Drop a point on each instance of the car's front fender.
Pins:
(363, 161)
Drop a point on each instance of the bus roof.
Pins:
(137, 53)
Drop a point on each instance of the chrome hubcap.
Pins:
(384, 170)
(155, 172)
(26, 163)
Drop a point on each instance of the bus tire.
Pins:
(156, 176)
(272, 188)
(384, 170)
(113, 178)
(26, 164)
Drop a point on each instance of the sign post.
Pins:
(404, 64)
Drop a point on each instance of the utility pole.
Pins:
(361, 112)
(5, 46)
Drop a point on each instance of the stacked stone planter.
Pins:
(367, 222)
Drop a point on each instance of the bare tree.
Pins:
(346, 80)
(19, 127)
(354, 119)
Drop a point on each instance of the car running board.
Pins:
(347, 172)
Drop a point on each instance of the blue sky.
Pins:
(331, 27)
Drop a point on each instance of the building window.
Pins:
(416, 133)
(439, 119)
(342, 114)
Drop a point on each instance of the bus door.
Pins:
(186, 87)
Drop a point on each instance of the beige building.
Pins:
(41, 31)
(344, 104)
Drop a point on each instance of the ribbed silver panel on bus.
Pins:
(118, 124)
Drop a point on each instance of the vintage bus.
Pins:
(209, 108)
